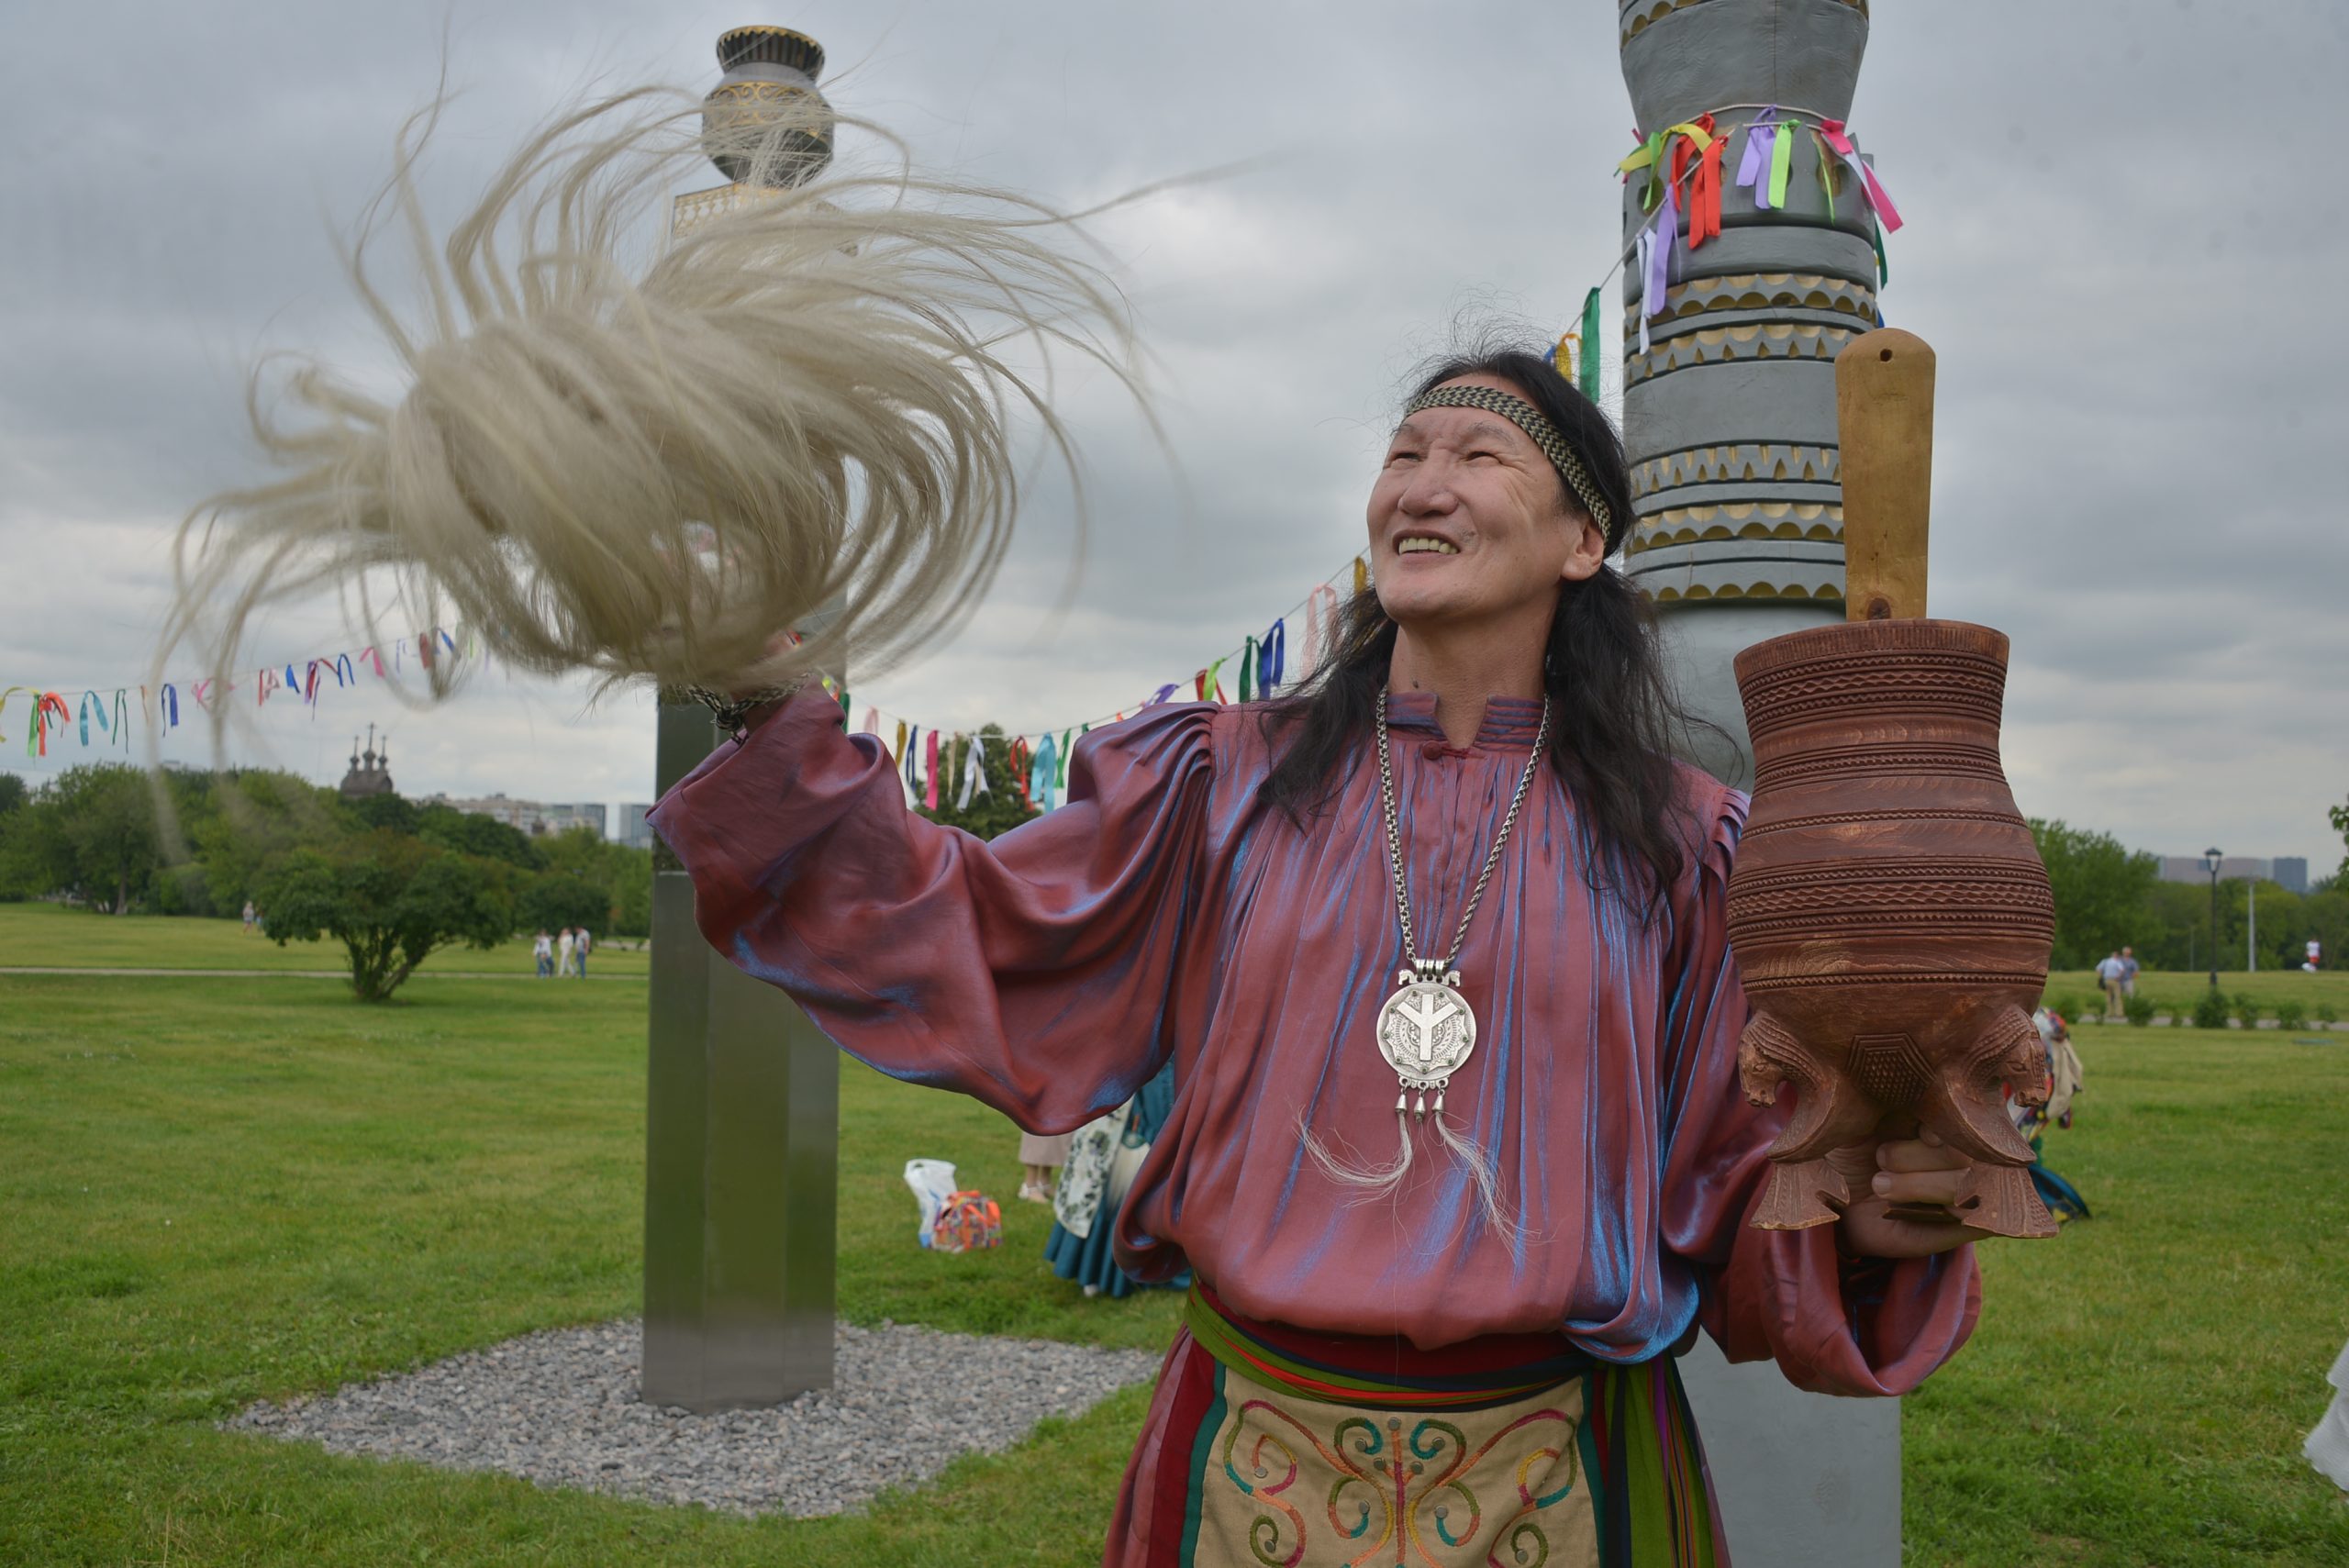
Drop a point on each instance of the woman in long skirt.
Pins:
(1102, 1159)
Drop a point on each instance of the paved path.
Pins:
(286, 974)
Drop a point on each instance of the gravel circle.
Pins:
(560, 1408)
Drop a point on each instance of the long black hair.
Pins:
(1614, 716)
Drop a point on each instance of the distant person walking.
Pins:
(579, 954)
(1103, 1159)
(564, 945)
(250, 923)
(2128, 973)
(2109, 974)
(542, 949)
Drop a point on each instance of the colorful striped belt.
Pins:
(1374, 1370)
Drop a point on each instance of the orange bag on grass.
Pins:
(969, 1219)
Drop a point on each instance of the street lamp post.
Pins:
(2210, 860)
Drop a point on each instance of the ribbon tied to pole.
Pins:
(1759, 169)
(1879, 200)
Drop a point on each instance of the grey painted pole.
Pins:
(1729, 420)
(742, 1092)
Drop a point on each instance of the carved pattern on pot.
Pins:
(1926, 896)
(1982, 761)
(1838, 818)
(1957, 687)
(1890, 917)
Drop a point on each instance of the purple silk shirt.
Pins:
(1167, 910)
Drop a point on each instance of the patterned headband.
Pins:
(1535, 424)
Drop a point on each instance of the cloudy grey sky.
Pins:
(2114, 243)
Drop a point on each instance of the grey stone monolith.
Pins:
(742, 1091)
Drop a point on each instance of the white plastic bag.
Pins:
(933, 1182)
(2328, 1446)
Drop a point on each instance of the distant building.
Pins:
(635, 831)
(2290, 873)
(531, 816)
(564, 819)
(521, 814)
(371, 771)
(2232, 868)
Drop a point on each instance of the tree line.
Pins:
(2108, 897)
(393, 880)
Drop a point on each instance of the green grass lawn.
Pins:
(2138, 1386)
(45, 935)
(212, 1192)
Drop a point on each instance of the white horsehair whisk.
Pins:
(806, 403)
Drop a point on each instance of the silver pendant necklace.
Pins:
(1427, 1029)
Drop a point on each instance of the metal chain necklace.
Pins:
(1427, 1029)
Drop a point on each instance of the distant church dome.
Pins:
(371, 771)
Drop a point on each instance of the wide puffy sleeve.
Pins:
(1033, 972)
(1834, 1326)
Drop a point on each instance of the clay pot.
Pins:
(1888, 911)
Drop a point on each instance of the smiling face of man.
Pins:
(1469, 522)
